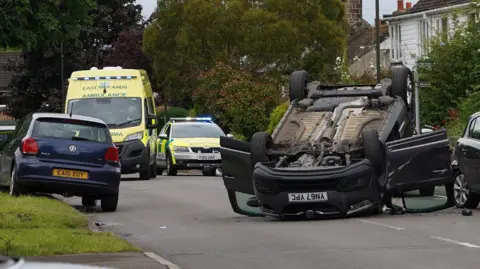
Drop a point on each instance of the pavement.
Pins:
(188, 221)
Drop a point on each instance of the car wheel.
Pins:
(145, 174)
(109, 203)
(153, 168)
(209, 172)
(403, 86)
(159, 171)
(15, 189)
(261, 142)
(374, 150)
(298, 85)
(171, 171)
(88, 201)
(461, 192)
(427, 191)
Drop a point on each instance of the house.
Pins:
(361, 53)
(411, 27)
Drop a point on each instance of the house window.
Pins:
(396, 37)
(424, 36)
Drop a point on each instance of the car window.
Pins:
(197, 130)
(150, 106)
(475, 129)
(71, 130)
(23, 129)
(167, 130)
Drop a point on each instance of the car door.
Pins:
(162, 145)
(468, 154)
(419, 161)
(8, 152)
(237, 175)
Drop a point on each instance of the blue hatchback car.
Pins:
(62, 154)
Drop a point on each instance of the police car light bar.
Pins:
(192, 119)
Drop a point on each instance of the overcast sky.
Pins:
(386, 7)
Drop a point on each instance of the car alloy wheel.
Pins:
(460, 190)
(409, 91)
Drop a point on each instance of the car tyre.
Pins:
(145, 174)
(109, 203)
(171, 171)
(461, 193)
(15, 188)
(374, 150)
(153, 168)
(261, 142)
(472, 201)
(88, 201)
(159, 171)
(403, 86)
(427, 192)
(209, 172)
(298, 85)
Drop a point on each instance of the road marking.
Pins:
(383, 225)
(440, 196)
(465, 244)
(161, 260)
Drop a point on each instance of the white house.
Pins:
(410, 28)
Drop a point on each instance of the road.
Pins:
(188, 220)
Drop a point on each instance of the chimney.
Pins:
(408, 5)
(400, 5)
(354, 10)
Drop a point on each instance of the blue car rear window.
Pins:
(71, 130)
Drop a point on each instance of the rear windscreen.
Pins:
(71, 129)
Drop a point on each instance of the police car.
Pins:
(189, 143)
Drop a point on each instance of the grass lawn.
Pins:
(34, 226)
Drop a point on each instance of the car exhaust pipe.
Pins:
(309, 214)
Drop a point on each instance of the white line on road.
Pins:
(465, 244)
(440, 196)
(383, 225)
(161, 260)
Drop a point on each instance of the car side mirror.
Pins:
(163, 136)
(152, 122)
(229, 135)
(426, 130)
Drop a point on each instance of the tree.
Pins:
(38, 83)
(239, 101)
(452, 70)
(269, 36)
(127, 50)
(43, 23)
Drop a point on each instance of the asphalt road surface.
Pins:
(188, 220)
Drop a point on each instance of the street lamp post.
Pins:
(377, 35)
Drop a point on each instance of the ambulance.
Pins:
(124, 100)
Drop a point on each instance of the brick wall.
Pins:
(354, 10)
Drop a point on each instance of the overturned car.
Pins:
(338, 150)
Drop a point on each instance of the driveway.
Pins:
(188, 220)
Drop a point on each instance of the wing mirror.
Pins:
(163, 136)
(152, 122)
(229, 135)
(426, 129)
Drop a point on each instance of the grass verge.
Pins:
(38, 226)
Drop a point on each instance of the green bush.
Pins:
(276, 116)
(171, 112)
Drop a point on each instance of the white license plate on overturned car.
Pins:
(307, 197)
(207, 157)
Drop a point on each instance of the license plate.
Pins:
(307, 197)
(70, 174)
(207, 157)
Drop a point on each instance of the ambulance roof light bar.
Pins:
(191, 119)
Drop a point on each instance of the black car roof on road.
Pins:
(67, 116)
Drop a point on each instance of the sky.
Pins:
(386, 7)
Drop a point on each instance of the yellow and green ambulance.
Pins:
(124, 100)
(189, 143)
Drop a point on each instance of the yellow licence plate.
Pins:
(70, 173)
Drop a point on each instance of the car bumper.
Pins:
(190, 160)
(134, 156)
(349, 190)
(37, 176)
